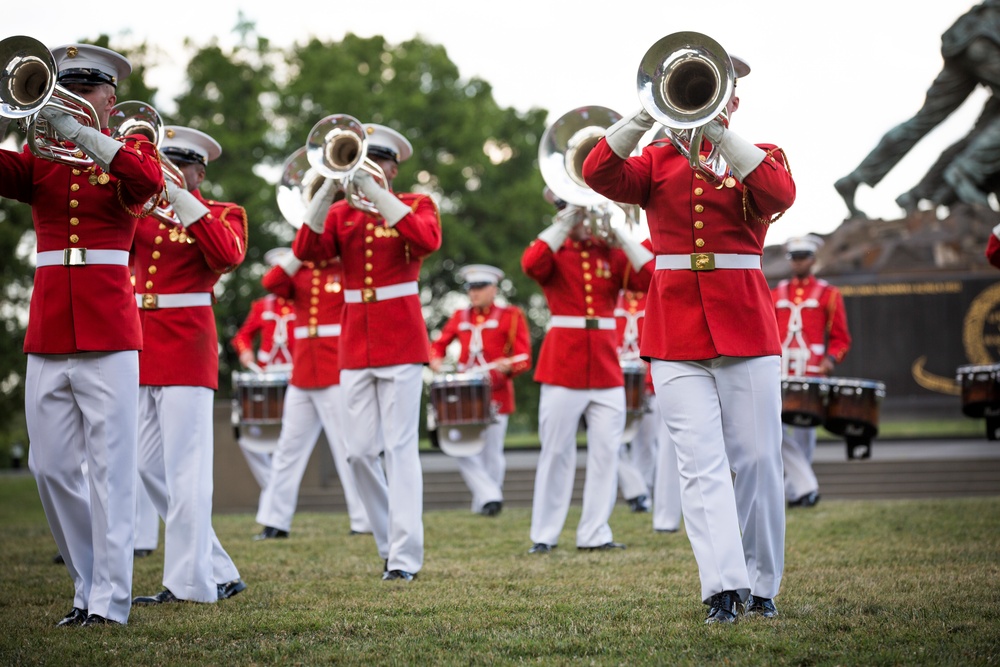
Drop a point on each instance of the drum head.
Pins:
(462, 441)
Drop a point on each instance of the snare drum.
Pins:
(852, 408)
(634, 372)
(260, 397)
(980, 390)
(462, 398)
(803, 400)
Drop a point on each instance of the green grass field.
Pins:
(866, 583)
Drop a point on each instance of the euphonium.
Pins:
(561, 152)
(337, 148)
(685, 81)
(28, 83)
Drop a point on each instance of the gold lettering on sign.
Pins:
(894, 289)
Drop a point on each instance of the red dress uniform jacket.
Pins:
(824, 320)
(317, 294)
(581, 280)
(266, 314)
(504, 334)
(378, 332)
(181, 344)
(83, 308)
(993, 251)
(694, 315)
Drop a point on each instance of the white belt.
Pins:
(156, 301)
(706, 261)
(80, 257)
(373, 294)
(570, 322)
(321, 331)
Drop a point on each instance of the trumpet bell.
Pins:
(565, 145)
(133, 117)
(27, 79)
(685, 80)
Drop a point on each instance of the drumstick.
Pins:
(490, 366)
(255, 368)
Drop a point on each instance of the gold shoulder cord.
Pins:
(749, 213)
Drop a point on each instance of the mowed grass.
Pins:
(866, 583)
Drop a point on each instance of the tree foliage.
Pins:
(476, 159)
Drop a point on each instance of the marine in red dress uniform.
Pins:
(493, 337)
(812, 324)
(713, 342)
(383, 344)
(580, 373)
(178, 261)
(83, 333)
(314, 399)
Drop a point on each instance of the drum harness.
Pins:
(793, 356)
(279, 338)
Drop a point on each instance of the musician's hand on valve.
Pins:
(186, 206)
(565, 220)
(100, 147)
(319, 205)
(624, 136)
(388, 204)
(741, 155)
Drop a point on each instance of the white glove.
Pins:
(565, 220)
(100, 147)
(388, 204)
(742, 156)
(624, 136)
(186, 206)
(319, 205)
(289, 263)
(637, 253)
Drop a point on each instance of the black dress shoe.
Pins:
(760, 607)
(76, 616)
(94, 619)
(58, 559)
(231, 588)
(142, 553)
(357, 532)
(607, 546)
(808, 500)
(491, 508)
(639, 504)
(541, 548)
(398, 575)
(270, 533)
(724, 607)
(162, 597)
(666, 530)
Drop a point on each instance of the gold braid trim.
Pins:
(749, 211)
(134, 145)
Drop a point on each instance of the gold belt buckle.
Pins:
(150, 302)
(703, 261)
(368, 295)
(74, 257)
(313, 331)
(591, 323)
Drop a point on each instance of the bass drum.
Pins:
(804, 401)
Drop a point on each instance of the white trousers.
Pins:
(631, 480)
(176, 442)
(81, 410)
(258, 461)
(666, 479)
(385, 401)
(307, 412)
(798, 445)
(484, 472)
(559, 412)
(724, 416)
(147, 520)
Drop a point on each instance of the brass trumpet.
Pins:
(27, 84)
(685, 80)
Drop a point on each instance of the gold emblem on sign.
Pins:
(981, 328)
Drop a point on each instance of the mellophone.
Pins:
(848, 407)
(981, 395)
